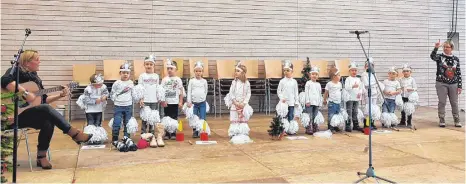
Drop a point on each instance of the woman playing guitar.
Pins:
(42, 117)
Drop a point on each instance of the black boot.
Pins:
(167, 136)
(173, 136)
(348, 126)
(410, 117)
(403, 119)
(195, 133)
(373, 127)
(315, 127)
(357, 128)
(309, 130)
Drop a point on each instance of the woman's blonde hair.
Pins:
(242, 76)
(26, 57)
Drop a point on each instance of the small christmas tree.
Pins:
(276, 128)
(305, 72)
(7, 140)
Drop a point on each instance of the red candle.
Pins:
(204, 136)
(366, 130)
(179, 136)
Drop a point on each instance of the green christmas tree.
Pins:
(305, 71)
(7, 140)
(276, 128)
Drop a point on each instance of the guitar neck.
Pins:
(48, 90)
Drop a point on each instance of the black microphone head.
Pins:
(28, 31)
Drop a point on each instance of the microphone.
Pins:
(358, 32)
(28, 31)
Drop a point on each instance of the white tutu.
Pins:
(132, 126)
(247, 112)
(414, 97)
(240, 139)
(409, 108)
(305, 119)
(376, 113)
(236, 129)
(99, 135)
(170, 124)
(337, 120)
(282, 109)
(138, 92)
(319, 119)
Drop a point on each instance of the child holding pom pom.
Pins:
(123, 100)
(353, 86)
(288, 93)
(174, 94)
(197, 94)
(408, 86)
(391, 90)
(313, 93)
(93, 100)
(333, 94)
(150, 81)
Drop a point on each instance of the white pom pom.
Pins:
(228, 100)
(200, 124)
(160, 93)
(409, 108)
(144, 113)
(305, 119)
(247, 112)
(99, 135)
(138, 92)
(236, 129)
(80, 102)
(376, 113)
(345, 95)
(294, 127)
(193, 121)
(132, 126)
(394, 119)
(89, 129)
(337, 120)
(240, 139)
(170, 124)
(302, 98)
(207, 107)
(386, 119)
(154, 117)
(286, 124)
(282, 109)
(360, 114)
(298, 110)
(414, 97)
(188, 111)
(344, 114)
(398, 100)
(319, 119)
(110, 123)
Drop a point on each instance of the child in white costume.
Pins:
(197, 94)
(313, 101)
(392, 89)
(409, 88)
(238, 102)
(288, 94)
(174, 94)
(353, 89)
(375, 95)
(93, 101)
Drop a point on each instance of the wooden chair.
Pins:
(343, 66)
(210, 81)
(112, 69)
(323, 65)
(298, 66)
(273, 75)
(138, 67)
(258, 85)
(179, 66)
(225, 74)
(82, 73)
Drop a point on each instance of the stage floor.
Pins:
(430, 154)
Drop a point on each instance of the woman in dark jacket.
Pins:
(449, 82)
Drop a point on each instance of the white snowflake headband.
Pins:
(406, 67)
(126, 67)
(353, 65)
(238, 68)
(199, 64)
(314, 69)
(392, 70)
(150, 58)
(98, 79)
(171, 64)
(287, 65)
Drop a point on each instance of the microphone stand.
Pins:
(370, 173)
(15, 72)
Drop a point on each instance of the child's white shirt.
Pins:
(288, 90)
(119, 97)
(173, 88)
(391, 86)
(150, 83)
(313, 92)
(334, 92)
(373, 84)
(197, 90)
(408, 83)
(240, 91)
(354, 93)
(91, 95)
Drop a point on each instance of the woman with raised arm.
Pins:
(42, 117)
(449, 82)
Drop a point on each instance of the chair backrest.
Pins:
(179, 66)
(298, 66)
(112, 69)
(343, 66)
(225, 69)
(139, 68)
(205, 61)
(323, 66)
(273, 69)
(82, 73)
(252, 67)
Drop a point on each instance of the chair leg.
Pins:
(50, 155)
(27, 148)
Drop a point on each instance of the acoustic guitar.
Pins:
(32, 87)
